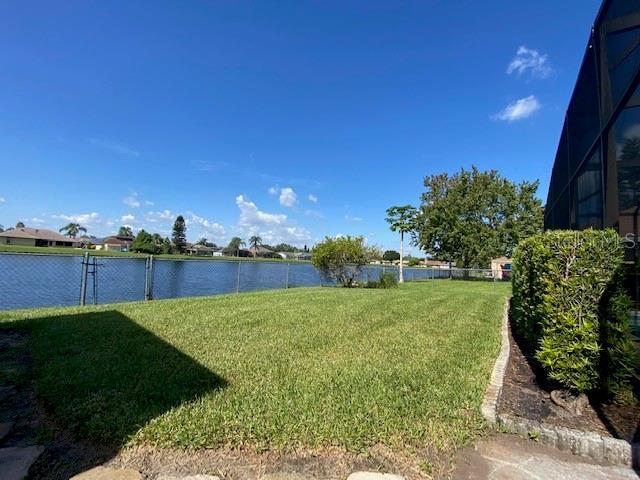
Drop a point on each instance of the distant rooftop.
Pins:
(36, 234)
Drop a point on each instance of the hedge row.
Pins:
(570, 305)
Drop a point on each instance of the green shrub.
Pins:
(341, 259)
(570, 306)
(386, 280)
(619, 358)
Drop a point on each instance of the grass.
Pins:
(307, 367)
(102, 253)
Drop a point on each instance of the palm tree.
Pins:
(240, 244)
(73, 229)
(204, 242)
(125, 231)
(255, 241)
(402, 219)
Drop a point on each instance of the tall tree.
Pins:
(473, 216)
(19, 225)
(144, 243)
(125, 231)
(402, 219)
(255, 241)
(206, 243)
(234, 246)
(165, 246)
(72, 229)
(283, 247)
(390, 256)
(179, 234)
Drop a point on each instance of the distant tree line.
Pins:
(154, 243)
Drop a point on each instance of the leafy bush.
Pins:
(619, 358)
(569, 305)
(341, 259)
(144, 243)
(391, 256)
(386, 280)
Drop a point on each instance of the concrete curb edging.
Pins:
(489, 406)
(584, 444)
(577, 442)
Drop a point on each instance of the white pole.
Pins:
(401, 279)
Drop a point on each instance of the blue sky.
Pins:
(293, 120)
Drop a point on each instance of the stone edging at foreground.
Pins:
(489, 406)
(577, 442)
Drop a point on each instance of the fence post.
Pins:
(95, 280)
(238, 278)
(151, 276)
(287, 281)
(83, 279)
(148, 278)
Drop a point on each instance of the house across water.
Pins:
(35, 237)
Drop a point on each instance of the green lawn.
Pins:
(306, 367)
(102, 253)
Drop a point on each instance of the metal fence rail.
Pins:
(40, 280)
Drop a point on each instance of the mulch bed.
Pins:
(526, 394)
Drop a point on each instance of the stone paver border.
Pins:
(585, 444)
(489, 406)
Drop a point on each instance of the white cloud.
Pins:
(159, 216)
(313, 214)
(350, 218)
(209, 229)
(128, 218)
(250, 215)
(532, 60)
(115, 147)
(312, 198)
(131, 200)
(288, 197)
(84, 219)
(148, 203)
(2, 199)
(518, 110)
(272, 227)
(37, 221)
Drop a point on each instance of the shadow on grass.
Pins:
(103, 377)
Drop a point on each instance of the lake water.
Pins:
(31, 280)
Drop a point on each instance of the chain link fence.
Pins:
(40, 280)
